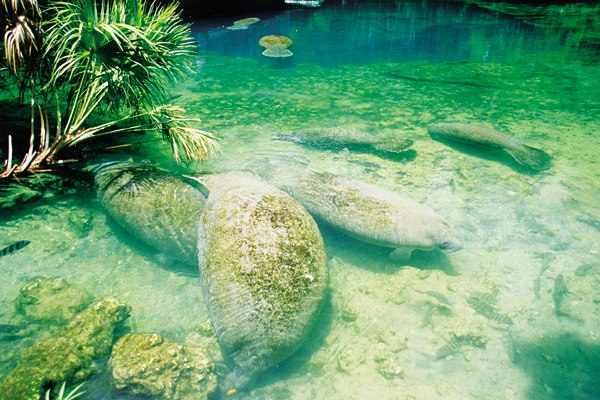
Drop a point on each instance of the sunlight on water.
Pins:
(489, 321)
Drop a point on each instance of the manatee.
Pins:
(263, 272)
(477, 135)
(276, 46)
(363, 211)
(158, 208)
(243, 23)
(336, 138)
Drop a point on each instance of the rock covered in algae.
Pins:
(51, 300)
(155, 206)
(243, 23)
(263, 270)
(148, 364)
(68, 355)
(276, 46)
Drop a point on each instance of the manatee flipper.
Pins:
(401, 254)
(531, 157)
(393, 145)
(198, 184)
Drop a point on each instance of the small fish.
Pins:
(10, 328)
(559, 292)
(10, 332)
(16, 246)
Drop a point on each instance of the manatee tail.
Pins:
(531, 157)
(393, 145)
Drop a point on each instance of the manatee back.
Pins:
(370, 213)
(263, 271)
(155, 206)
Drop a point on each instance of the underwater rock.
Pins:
(336, 138)
(201, 342)
(51, 300)
(155, 206)
(150, 365)
(68, 355)
(487, 137)
(263, 271)
(367, 212)
(243, 23)
(276, 46)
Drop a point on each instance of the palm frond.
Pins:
(72, 395)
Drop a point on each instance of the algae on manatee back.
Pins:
(263, 272)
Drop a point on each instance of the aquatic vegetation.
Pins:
(150, 365)
(68, 354)
(73, 394)
(106, 67)
(276, 46)
(484, 304)
(454, 345)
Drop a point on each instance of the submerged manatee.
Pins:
(478, 135)
(155, 206)
(276, 46)
(243, 23)
(263, 271)
(336, 138)
(366, 212)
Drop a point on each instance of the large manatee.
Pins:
(263, 271)
(361, 210)
(155, 206)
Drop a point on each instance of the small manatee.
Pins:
(477, 135)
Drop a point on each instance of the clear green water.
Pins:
(386, 69)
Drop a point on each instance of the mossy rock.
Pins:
(153, 205)
(148, 364)
(51, 300)
(263, 271)
(68, 355)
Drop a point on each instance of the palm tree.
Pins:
(112, 58)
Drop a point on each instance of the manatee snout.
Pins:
(451, 245)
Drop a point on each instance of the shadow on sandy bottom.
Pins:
(561, 367)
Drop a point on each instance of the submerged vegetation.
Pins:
(93, 68)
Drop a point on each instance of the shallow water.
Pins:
(420, 329)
